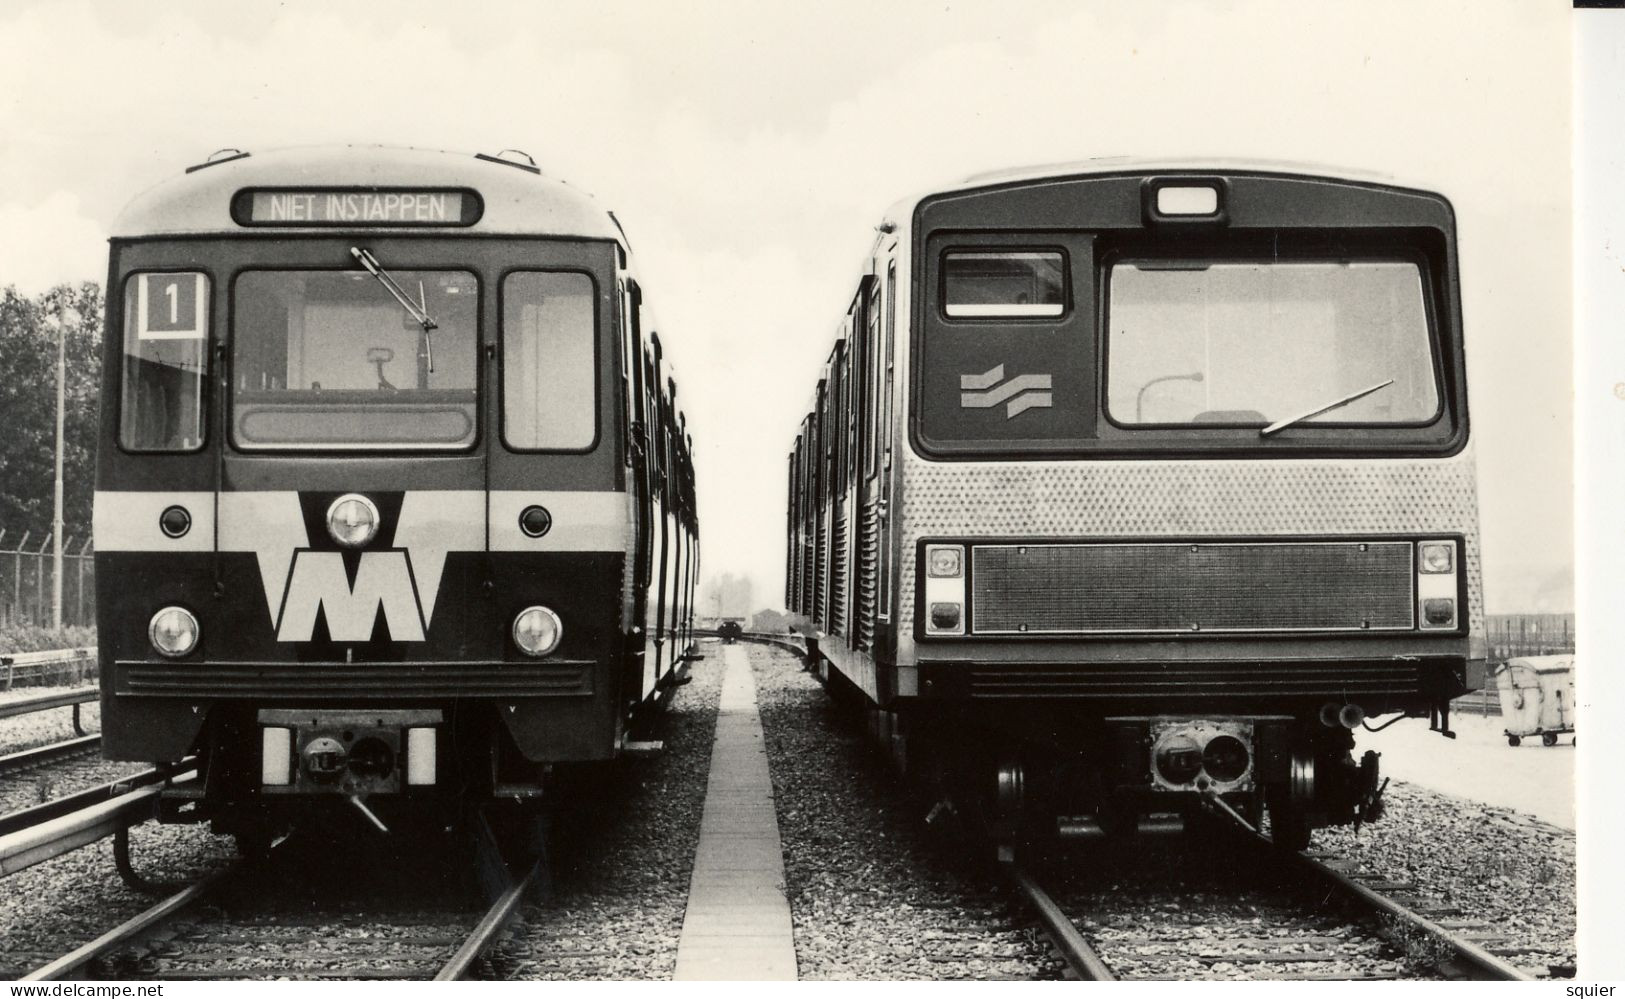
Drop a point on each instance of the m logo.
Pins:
(1024, 392)
(319, 582)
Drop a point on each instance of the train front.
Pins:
(1191, 495)
(360, 517)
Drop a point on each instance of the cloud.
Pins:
(49, 242)
(750, 149)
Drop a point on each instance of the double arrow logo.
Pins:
(1024, 392)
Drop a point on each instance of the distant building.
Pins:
(770, 622)
(727, 596)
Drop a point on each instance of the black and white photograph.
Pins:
(726, 491)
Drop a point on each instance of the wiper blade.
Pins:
(1280, 425)
(417, 310)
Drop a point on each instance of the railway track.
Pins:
(57, 752)
(1278, 921)
(214, 930)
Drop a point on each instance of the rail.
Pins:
(26, 759)
(1474, 957)
(45, 702)
(34, 815)
(133, 927)
(788, 642)
(1461, 957)
(481, 938)
(489, 928)
(57, 832)
(1081, 958)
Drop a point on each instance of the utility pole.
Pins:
(61, 408)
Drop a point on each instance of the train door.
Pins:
(635, 387)
(886, 444)
(870, 381)
(807, 529)
(662, 448)
(824, 462)
(653, 514)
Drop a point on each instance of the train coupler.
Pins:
(348, 752)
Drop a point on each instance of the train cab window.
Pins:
(989, 284)
(330, 360)
(1252, 343)
(548, 361)
(166, 338)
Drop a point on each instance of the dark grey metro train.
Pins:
(395, 502)
(1131, 490)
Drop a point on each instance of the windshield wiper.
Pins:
(418, 310)
(1289, 421)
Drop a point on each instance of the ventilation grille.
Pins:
(1367, 681)
(868, 573)
(1173, 587)
(838, 573)
(820, 572)
(281, 681)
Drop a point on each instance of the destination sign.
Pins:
(356, 208)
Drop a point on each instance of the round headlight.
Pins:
(537, 631)
(352, 520)
(173, 631)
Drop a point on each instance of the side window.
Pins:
(549, 398)
(1003, 283)
(166, 339)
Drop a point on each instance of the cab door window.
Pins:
(166, 338)
(549, 361)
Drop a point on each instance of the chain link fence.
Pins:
(28, 575)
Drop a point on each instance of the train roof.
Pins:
(902, 211)
(518, 199)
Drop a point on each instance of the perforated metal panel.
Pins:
(1189, 499)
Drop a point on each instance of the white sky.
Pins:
(750, 148)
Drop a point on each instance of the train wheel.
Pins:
(1011, 795)
(1290, 823)
(1548, 739)
(1513, 740)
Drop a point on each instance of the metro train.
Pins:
(395, 503)
(1129, 491)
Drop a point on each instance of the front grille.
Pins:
(370, 681)
(1367, 679)
(1110, 588)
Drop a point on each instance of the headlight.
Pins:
(173, 631)
(537, 631)
(944, 563)
(1438, 556)
(352, 520)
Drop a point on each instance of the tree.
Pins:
(28, 338)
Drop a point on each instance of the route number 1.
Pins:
(171, 306)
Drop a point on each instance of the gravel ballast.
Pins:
(53, 907)
(1505, 868)
(624, 853)
(872, 899)
(869, 896)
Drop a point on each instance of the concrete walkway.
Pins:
(738, 922)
